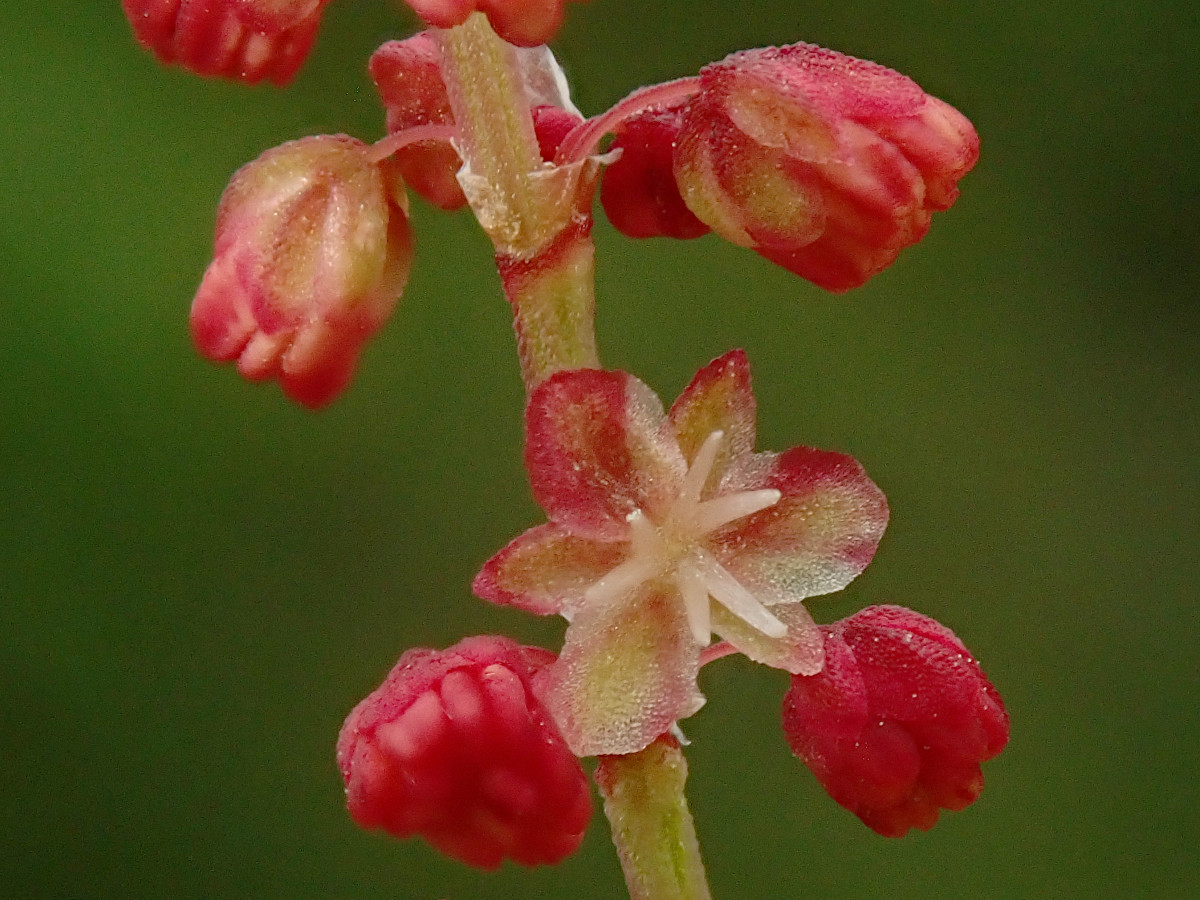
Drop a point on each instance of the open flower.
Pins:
(898, 721)
(243, 40)
(665, 528)
(454, 747)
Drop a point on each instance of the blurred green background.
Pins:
(199, 580)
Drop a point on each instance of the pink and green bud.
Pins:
(525, 23)
(665, 528)
(897, 722)
(243, 40)
(454, 747)
(825, 164)
(313, 249)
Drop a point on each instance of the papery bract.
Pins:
(897, 722)
(651, 515)
(312, 251)
(454, 747)
(525, 23)
(243, 40)
(825, 164)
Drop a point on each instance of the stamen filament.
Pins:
(694, 591)
(730, 593)
(719, 511)
(698, 472)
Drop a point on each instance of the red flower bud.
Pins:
(896, 724)
(639, 192)
(244, 40)
(824, 164)
(525, 23)
(312, 251)
(454, 746)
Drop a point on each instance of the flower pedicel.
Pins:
(666, 528)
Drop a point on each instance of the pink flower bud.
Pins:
(639, 192)
(525, 23)
(244, 40)
(896, 724)
(824, 164)
(408, 76)
(454, 746)
(312, 251)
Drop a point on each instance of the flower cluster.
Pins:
(666, 527)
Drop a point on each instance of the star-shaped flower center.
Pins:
(673, 546)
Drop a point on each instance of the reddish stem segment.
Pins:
(553, 301)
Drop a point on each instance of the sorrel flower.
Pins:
(824, 164)
(312, 251)
(665, 527)
(525, 23)
(652, 517)
(244, 40)
(898, 721)
(454, 747)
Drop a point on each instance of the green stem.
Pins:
(553, 302)
(538, 215)
(651, 824)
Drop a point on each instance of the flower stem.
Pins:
(651, 824)
(553, 302)
(538, 215)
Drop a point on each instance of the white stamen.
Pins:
(697, 474)
(695, 602)
(620, 580)
(730, 593)
(712, 514)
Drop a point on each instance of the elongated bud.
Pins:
(525, 23)
(824, 164)
(454, 747)
(243, 40)
(898, 721)
(312, 251)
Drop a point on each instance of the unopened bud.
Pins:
(825, 164)
(454, 747)
(897, 722)
(243, 40)
(312, 252)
